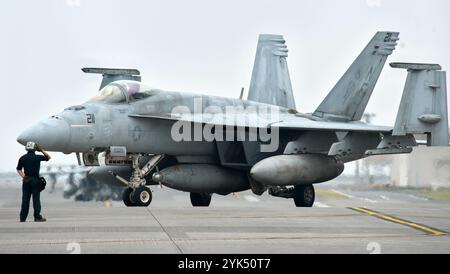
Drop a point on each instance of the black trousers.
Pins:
(31, 188)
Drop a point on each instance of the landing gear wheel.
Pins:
(126, 197)
(142, 196)
(304, 196)
(200, 199)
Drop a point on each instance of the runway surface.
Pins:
(342, 221)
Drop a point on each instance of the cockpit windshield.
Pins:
(123, 91)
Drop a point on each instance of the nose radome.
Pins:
(52, 134)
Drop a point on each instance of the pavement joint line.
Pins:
(277, 217)
(165, 231)
(421, 227)
(196, 240)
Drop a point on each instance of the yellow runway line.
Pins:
(424, 228)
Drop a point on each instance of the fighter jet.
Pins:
(208, 145)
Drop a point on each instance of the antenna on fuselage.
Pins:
(242, 94)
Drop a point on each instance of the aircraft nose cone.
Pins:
(52, 134)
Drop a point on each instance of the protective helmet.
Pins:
(31, 146)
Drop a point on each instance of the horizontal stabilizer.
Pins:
(416, 66)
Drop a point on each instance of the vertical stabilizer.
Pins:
(270, 82)
(349, 97)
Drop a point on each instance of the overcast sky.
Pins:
(202, 46)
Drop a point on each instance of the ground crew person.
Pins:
(28, 168)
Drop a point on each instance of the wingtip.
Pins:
(415, 66)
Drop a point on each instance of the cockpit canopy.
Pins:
(124, 92)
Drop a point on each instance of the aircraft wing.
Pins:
(284, 121)
(331, 126)
(293, 122)
(249, 120)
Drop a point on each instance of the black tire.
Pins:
(200, 199)
(142, 196)
(126, 197)
(304, 196)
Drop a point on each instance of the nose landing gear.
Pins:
(142, 196)
(126, 197)
(137, 194)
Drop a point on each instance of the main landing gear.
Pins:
(303, 195)
(200, 199)
(136, 193)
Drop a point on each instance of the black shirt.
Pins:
(31, 163)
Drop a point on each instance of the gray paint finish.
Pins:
(349, 97)
(270, 82)
(140, 119)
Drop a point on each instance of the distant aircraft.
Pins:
(80, 184)
(206, 144)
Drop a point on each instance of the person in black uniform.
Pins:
(28, 168)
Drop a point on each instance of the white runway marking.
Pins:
(251, 198)
(354, 197)
(384, 197)
(343, 194)
(417, 198)
(319, 204)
